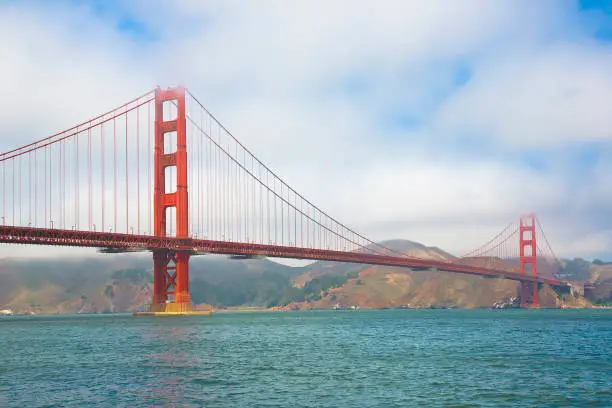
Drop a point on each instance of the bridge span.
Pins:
(160, 173)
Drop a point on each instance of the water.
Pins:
(429, 358)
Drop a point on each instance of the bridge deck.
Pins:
(121, 242)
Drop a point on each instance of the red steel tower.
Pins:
(171, 267)
(528, 260)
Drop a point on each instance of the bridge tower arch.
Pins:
(170, 267)
(528, 260)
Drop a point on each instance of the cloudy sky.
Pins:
(435, 121)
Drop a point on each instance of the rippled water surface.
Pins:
(446, 358)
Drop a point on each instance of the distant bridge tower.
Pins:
(528, 260)
(171, 267)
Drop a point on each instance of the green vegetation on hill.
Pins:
(316, 288)
(268, 289)
(265, 289)
(132, 276)
(576, 269)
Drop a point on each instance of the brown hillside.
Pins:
(388, 287)
(601, 273)
(405, 247)
(378, 287)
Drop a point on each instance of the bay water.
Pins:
(385, 358)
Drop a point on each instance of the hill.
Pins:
(120, 283)
(369, 286)
(377, 286)
(411, 248)
(601, 277)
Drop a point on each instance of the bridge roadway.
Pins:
(131, 242)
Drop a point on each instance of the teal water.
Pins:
(393, 358)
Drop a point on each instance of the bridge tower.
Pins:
(171, 267)
(528, 260)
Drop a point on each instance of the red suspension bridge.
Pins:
(161, 174)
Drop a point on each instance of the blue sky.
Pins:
(421, 120)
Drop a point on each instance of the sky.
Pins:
(434, 121)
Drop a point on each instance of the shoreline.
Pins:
(272, 310)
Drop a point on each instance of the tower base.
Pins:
(190, 313)
(173, 309)
(529, 295)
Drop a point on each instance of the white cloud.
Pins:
(278, 75)
(590, 243)
(549, 97)
(60, 66)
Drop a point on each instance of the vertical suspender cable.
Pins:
(209, 185)
(138, 169)
(308, 226)
(200, 170)
(60, 179)
(223, 198)
(45, 184)
(217, 214)
(229, 195)
(261, 217)
(238, 199)
(268, 205)
(282, 215)
(89, 225)
(237, 192)
(19, 192)
(35, 187)
(253, 202)
(254, 222)
(102, 168)
(149, 172)
(275, 216)
(288, 216)
(3, 193)
(222, 186)
(30, 182)
(76, 182)
(115, 174)
(50, 185)
(13, 191)
(127, 172)
(66, 185)
(200, 178)
(246, 199)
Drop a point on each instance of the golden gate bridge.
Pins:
(160, 173)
